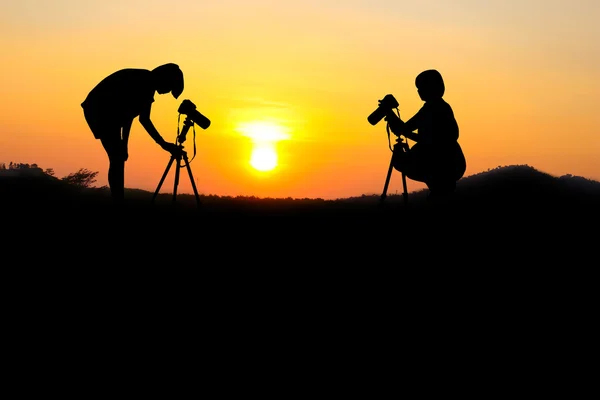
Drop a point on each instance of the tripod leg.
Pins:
(406, 149)
(387, 180)
(405, 194)
(189, 170)
(176, 182)
(163, 178)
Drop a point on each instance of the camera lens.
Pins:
(377, 115)
(199, 119)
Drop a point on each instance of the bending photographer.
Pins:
(112, 105)
(436, 158)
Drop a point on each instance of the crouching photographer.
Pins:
(436, 157)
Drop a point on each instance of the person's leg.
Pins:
(437, 164)
(417, 164)
(109, 135)
(116, 167)
(441, 194)
(441, 187)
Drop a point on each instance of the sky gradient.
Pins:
(301, 78)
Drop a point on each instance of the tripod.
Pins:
(181, 154)
(400, 145)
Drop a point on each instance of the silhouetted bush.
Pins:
(84, 178)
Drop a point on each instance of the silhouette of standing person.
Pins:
(436, 158)
(112, 105)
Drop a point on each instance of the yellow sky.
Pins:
(521, 76)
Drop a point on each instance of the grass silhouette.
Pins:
(505, 201)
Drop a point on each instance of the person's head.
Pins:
(168, 78)
(430, 85)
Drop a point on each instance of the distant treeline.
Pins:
(83, 178)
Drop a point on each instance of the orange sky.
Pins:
(522, 78)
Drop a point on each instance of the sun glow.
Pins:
(264, 135)
(263, 158)
(261, 131)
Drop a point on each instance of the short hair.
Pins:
(170, 76)
(431, 83)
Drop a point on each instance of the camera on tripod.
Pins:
(386, 104)
(193, 116)
(189, 109)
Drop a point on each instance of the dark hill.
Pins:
(506, 202)
(514, 188)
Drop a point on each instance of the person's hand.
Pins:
(394, 122)
(391, 115)
(172, 148)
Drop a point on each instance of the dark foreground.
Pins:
(504, 274)
(496, 241)
(511, 217)
(523, 223)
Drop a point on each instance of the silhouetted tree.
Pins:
(84, 178)
(49, 171)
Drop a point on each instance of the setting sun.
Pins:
(264, 135)
(264, 158)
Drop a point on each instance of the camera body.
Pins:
(386, 104)
(189, 109)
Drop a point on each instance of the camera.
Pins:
(189, 109)
(386, 104)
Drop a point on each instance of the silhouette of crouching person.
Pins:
(436, 158)
(112, 105)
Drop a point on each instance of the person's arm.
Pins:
(410, 126)
(126, 130)
(125, 141)
(149, 126)
(400, 127)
